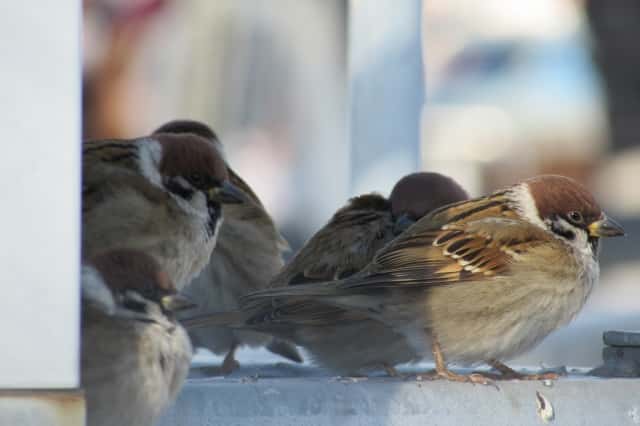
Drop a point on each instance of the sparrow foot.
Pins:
(229, 366)
(446, 374)
(508, 373)
(391, 371)
(230, 363)
(442, 372)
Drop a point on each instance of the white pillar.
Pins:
(40, 192)
(386, 92)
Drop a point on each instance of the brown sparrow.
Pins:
(344, 246)
(248, 254)
(478, 281)
(160, 194)
(135, 356)
(348, 242)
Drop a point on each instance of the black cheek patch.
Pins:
(565, 233)
(134, 305)
(213, 208)
(594, 242)
(175, 187)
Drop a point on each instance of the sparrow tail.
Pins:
(229, 319)
(285, 349)
(301, 290)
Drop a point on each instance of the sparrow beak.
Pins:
(177, 302)
(605, 227)
(227, 193)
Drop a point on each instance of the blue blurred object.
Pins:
(387, 92)
(558, 71)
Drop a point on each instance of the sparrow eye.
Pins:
(196, 179)
(575, 217)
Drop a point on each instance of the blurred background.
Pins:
(319, 100)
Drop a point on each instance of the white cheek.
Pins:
(581, 240)
(95, 291)
(526, 205)
(150, 154)
(214, 239)
(197, 205)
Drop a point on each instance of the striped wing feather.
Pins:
(344, 246)
(472, 239)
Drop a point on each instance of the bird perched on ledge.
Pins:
(248, 254)
(478, 281)
(348, 242)
(160, 194)
(135, 356)
(344, 246)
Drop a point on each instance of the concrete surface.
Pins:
(302, 401)
(42, 408)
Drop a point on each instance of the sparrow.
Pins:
(348, 242)
(343, 247)
(160, 194)
(479, 281)
(135, 356)
(248, 253)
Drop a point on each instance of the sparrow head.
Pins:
(135, 280)
(196, 128)
(417, 194)
(191, 164)
(566, 208)
(188, 126)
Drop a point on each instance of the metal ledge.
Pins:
(320, 400)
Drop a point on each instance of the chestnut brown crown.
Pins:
(420, 193)
(187, 126)
(193, 158)
(127, 269)
(564, 197)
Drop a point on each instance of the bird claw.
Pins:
(391, 371)
(507, 373)
(428, 376)
(475, 378)
(228, 366)
(537, 376)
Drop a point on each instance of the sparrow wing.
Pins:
(457, 252)
(248, 253)
(344, 246)
(252, 213)
(458, 243)
(341, 248)
(240, 183)
(455, 243)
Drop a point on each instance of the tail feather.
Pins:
(229, 319)
(285, 349)
(339, 293)
(314, 289)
